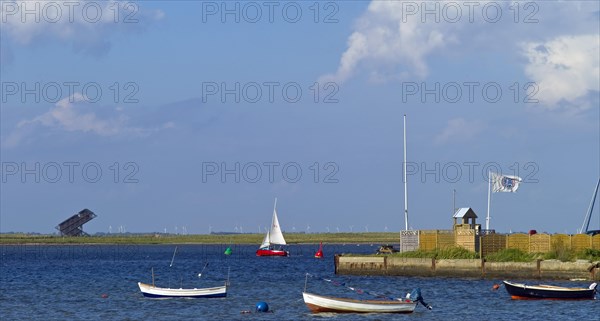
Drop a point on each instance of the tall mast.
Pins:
(487, 219)
(453, 201)
(586, 221)
(405, 185)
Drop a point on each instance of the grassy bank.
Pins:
(291, 238)
(507, 255)
(446, 253)
(561, 254)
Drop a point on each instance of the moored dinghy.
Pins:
(520, 291)
(319, 303)
(151, 291)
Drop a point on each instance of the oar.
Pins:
(200, 274)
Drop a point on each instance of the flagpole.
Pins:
(405, 191)
(487, 219)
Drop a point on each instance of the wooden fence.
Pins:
(538, 243)
(430, 240)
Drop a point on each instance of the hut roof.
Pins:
(465, 212)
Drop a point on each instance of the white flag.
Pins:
(504, 183)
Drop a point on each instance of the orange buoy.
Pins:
(104, 296)
(496, 287)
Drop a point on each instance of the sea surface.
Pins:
(99, 282)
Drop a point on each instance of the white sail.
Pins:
(266, 242)
(275, 235)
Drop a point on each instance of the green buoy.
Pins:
(228, 251)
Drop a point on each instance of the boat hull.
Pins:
(520, 291)
(156, 292)
(318, 303)
(263, 252)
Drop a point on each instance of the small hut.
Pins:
(466, 229)
(465, 218)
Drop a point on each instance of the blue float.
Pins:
(262, 307)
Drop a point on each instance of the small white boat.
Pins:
(151, 291)
(318, 303)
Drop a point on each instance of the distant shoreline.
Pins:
(237, 239)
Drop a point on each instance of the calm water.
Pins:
(68, 283)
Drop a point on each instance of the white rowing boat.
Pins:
(318, 303)
(151, 291)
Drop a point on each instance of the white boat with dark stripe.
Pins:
(151, 291)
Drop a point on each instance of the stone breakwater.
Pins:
(477, 268)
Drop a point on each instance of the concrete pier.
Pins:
(428, 267)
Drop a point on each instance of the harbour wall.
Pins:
(474, 268)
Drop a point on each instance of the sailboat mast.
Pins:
(586, 221)
(405, 185)
(487, 219)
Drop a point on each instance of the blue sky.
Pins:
(136, 109)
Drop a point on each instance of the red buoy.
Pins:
(319, 254)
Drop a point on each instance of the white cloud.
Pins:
(86, 25)
(393, 40)
(73, 114)
(565, 69)
(459, 129)
(66, 116)
(385, 41)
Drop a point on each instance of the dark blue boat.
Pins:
(519, 291)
